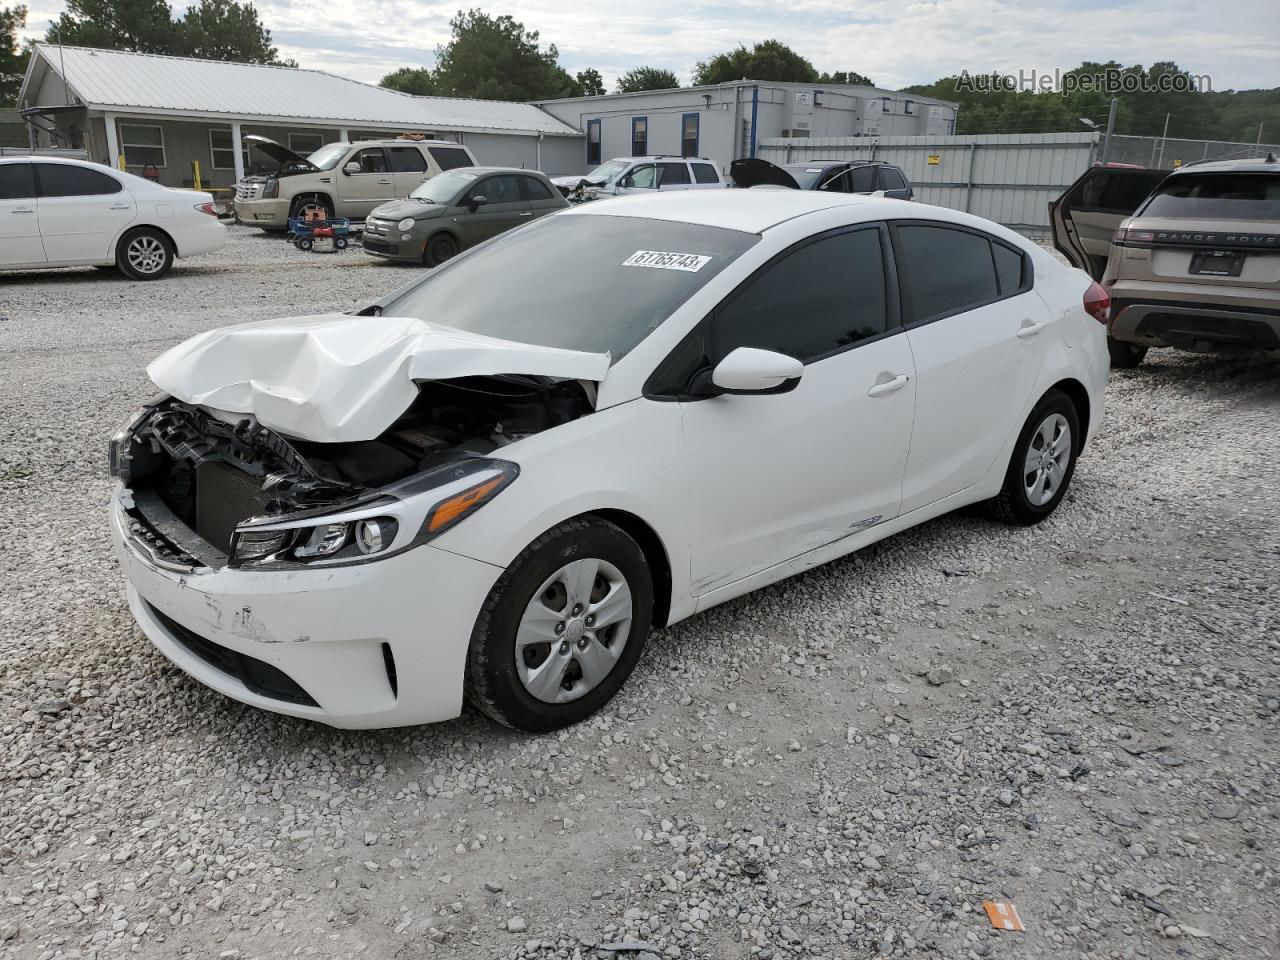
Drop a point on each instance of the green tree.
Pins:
(419, 81)
(646, 78)
(495, 58)
(769, 60)
(142, 26)
(588, 83)
(225, 30)
(12, 62)
(847, 78)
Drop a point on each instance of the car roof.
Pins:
(1256, 165)
(399, 142)
(655, 156)
(750, 211)
(488, 170)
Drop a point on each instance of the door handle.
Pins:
(527, 213)
(889, 386)
(22, 210)
(384, 181)
(1029, 329)
(119, 206)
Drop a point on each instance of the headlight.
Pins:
(405, 224)
(406, 515)
(271, 189)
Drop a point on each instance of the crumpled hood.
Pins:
(399, 209)
(336, 378)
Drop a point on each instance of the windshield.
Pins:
(607, 171)
(443, 187)
(593, 283)
(1218, 196)
(805, 176)
(327, 157)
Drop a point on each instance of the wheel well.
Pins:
(1079, 396)
(135, 227)
(311, 195)
(654, 553)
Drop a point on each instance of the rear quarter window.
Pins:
(450, 158)
(705, 173)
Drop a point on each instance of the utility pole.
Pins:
(1111, 126)
(1163, 137)
(1258, 144)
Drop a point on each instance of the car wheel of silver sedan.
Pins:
(144, 254)
(1043, 461)
(563, 627)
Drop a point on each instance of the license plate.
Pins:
(1217, 263)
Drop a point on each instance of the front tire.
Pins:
(144, 254)
(1124, 355)
(562, 628)
(1043, 462)
(440, 248)
(304, 205)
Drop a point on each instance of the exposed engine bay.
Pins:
(213, 471)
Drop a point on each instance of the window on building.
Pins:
(817, 98)
(222, 153)
(639, 136)
(142, 145)
(947, 271)
(407, 160)
(305, 144)
(593, 143)
(689, 135)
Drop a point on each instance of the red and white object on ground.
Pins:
(1003, 916)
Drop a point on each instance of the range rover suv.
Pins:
(1191, 258)
(340, 179)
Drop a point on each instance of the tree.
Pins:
(769, 60)
(225, 30)
(12, 62)
(589, 83)
(419, 81)
(142, 26)
(646, 78)
(847, 78)
(495, 58)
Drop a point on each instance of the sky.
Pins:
(895, 42)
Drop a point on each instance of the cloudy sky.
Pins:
(1235, 42)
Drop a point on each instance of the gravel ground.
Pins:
(1080, 718)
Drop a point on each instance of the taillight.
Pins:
(1097, 303)
(207, 208)
(1129, 237)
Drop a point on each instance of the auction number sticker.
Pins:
(658, 260)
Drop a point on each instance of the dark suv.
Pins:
(1191, 258)
(844, 176)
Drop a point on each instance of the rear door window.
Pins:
(862, 179)
(705, 173)
(17, 182)
(1218, 196)
(65, 180)
(407, 160)
(946, 270)
(1114, 191)
(535, 189)
(891, 179)
(450, 158)
(673, 174)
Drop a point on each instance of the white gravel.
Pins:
(1081, 718)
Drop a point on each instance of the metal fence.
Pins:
(1168, 152)
(1009, 178)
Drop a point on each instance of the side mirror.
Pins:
(475, 203)
(350, 168)
(751, 370)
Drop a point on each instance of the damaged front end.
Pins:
(205, 488)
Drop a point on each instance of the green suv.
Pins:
(457, 210)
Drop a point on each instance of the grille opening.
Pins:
(259, 677)
(389, 661)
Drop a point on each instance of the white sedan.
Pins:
(70, 213)
(496, 480)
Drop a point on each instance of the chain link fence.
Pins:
(1166, 153)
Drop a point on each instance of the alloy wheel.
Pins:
(1048, 456)
(573, 631)
(146, 255)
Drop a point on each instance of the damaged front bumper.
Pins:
(360, 646)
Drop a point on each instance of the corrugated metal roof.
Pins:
(118, 80)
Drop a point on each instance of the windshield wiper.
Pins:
(423, 199)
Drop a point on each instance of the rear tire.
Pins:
(144, 254)
(1124, 355)
(562, 628)
(440, 248)
(1042, 464)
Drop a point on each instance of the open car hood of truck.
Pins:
(337, 378)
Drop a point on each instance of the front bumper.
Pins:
(263, 213)
(328, 632)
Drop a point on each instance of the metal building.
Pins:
(161, 113)
(730, 120)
